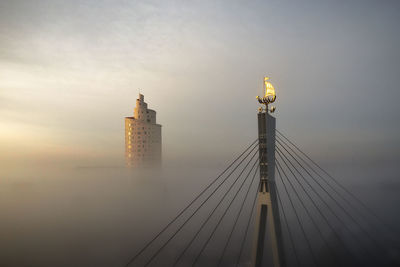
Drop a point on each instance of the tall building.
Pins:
(142, 136)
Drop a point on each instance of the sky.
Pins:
(70, 72)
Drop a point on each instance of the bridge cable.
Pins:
(334, 189)
(334, 199)
(280, 169)
(369, 210)
(371, 238)
(333, 212)
(237, 218)
(247, 226)
(189, 205)
(219, 203)
(288, 228)
(279, 152)
(226, 210)
(176, 232)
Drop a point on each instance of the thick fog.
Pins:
(70, 71)
(102, 216)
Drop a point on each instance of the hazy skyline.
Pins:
(70, 73)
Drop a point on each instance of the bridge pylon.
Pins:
(268, 242)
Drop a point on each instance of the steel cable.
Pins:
(247, 226)
(350, 204)
(223, 215)
(314, 204)
(190, 204)
(213, 211)
(316, 192)
(366, 208)
(288, 228)
(237, 218)
(279, 169)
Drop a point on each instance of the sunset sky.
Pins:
(70, 72)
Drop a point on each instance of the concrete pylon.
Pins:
(268, 233)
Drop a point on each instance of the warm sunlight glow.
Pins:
(269, 90)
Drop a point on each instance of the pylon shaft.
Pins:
(267, 219)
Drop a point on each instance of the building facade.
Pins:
(142, 136)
